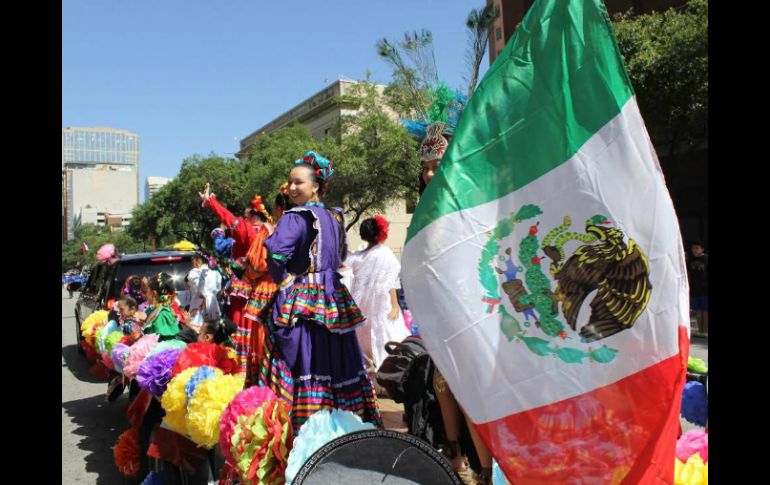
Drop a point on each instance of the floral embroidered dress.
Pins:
(312, 357)
(161, 320)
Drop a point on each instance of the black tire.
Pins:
(78, 336)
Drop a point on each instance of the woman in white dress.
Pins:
(204, 283)
(375, 281)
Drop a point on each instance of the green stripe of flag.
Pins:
(559, 79)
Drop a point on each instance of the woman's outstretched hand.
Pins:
(206, 194)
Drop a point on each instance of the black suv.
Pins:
(106, 280)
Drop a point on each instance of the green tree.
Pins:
(375, 158)
(95, 237)
(667, 58)
(269, 162)
(175, 213)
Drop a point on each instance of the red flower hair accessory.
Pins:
(382, 226)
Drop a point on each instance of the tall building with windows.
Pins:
(153, 184)
(100, 174)
(87, 147)
(319, 113)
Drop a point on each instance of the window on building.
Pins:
(498, 33)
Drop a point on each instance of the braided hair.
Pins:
(282, 200)
(162, 285)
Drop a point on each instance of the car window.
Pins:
(94, 279)
(108, 274)
(177, 268)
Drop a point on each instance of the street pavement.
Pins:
(89, 425)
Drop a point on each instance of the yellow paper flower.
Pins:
(205, 408)
(87, 326)
(185, 246)
(173, 401)
(694, 472)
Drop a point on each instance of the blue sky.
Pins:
(194, 77)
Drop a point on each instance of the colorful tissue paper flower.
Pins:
(138, 352)
(261, 442)
(92, 319)
(695, 408)
(155, 372)
(691, 442)
(118, 356)
(198, 354)
(109, 327)
(126, 453)
(204, 409)
(692, 472)
(111, 340)
(89, 351)
(107, 361)
(166, 345)
(203, 373)
(695, 364)
(174, 401)
(321, 428)
(245, 403)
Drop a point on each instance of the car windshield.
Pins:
(177, 267)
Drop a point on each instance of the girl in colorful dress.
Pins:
(159, 291)
(133, 288)
(205, 283)
(375, 281)
(129, 325)
(313, 359)
(217, 332)
(261, 296)
(244, 231)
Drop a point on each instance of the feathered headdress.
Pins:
(437, 108)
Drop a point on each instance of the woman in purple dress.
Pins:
(312, 357)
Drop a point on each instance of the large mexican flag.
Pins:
(545, 266)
